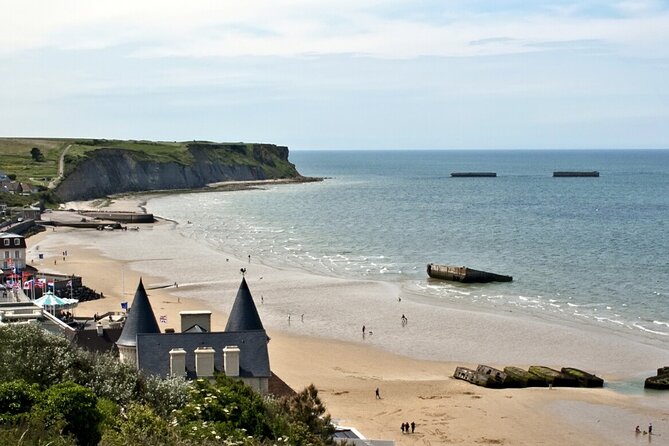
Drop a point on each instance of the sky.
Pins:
(340, 74)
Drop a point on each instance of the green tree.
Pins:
(307, 408)
(77, 406)
(37, 155)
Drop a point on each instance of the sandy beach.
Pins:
(315, 327)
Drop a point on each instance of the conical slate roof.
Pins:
(244, 315)
(140, 319)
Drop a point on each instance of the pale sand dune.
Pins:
(328, 349)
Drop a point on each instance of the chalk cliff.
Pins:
(112, 170)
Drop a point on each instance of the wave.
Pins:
(648, 330)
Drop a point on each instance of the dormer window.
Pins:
(6, 242)
(17, 242)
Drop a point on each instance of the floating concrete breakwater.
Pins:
(536, 376)
(564, 174)
(473, 174)
(557, 174)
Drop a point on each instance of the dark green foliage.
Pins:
(36, 431)
(27, 352)
(16, 200)
(37, 154)
(226, 409)
(307, 408)
(140, 426)
(16, 398)
(89, 397)
(77, 405)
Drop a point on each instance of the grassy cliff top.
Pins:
(16, 157)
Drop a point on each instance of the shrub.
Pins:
(16, 398)
(141, 427)
(165, 395)
(36, 431)
(77, 406)
(28, 353)
(109, 378)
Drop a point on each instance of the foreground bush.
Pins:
(55, 394)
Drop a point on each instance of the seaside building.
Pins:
(13, 249)
(240, 351)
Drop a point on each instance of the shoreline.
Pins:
(345, 368)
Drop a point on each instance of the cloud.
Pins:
(296, 28)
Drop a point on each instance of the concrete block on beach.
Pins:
(584, 379)
(660, 381)
(554, 377)
(518, 378)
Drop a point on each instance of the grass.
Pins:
(15, 158)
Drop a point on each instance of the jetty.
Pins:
(568, 173)
(464, 274)
(473, 174)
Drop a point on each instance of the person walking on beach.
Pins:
(413, 426)
(650, 428)
(249, 258)
(363, 331)
(378, 394)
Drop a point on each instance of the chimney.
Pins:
(204, 362)
(101, 331)
(177, 362)
(231, 360)
(190, 318)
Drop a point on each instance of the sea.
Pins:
(585, 250)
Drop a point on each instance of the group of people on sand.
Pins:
(648, 432)
(408, 428)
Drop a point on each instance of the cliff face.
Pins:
(111, 171)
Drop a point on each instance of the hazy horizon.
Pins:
(341, 75)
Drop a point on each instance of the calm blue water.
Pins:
(589, 249)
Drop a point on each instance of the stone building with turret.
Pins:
(240, 351)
